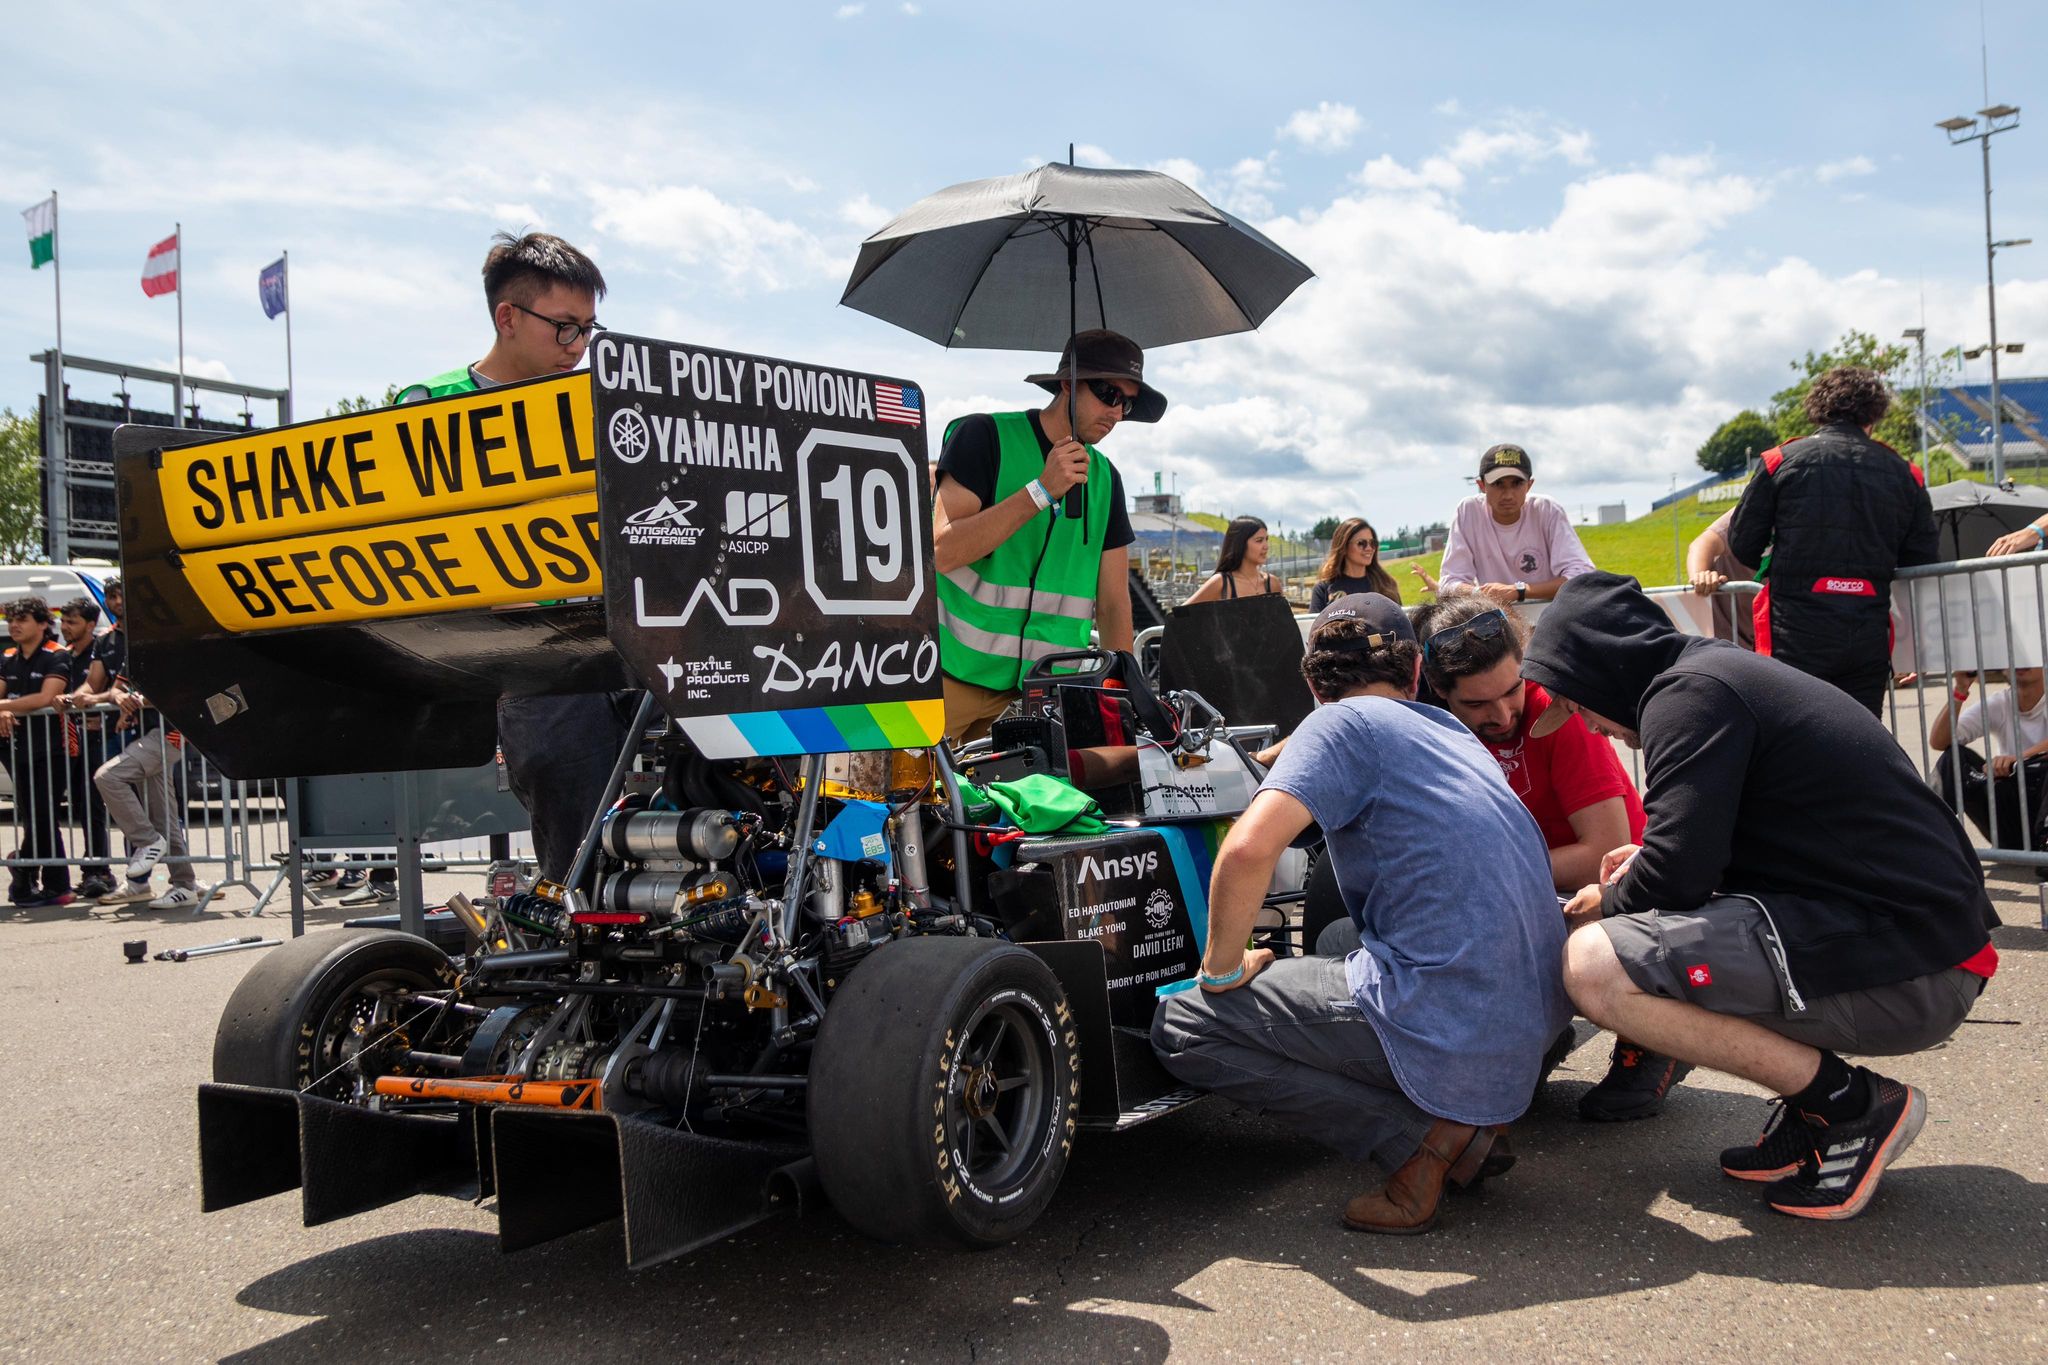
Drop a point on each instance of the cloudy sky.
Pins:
(1596, 229)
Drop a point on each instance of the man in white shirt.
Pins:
(1510, 544)
(2014, 725)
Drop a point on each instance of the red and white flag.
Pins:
(160, 271)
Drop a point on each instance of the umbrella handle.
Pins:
(1076, 503)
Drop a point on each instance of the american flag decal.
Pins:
(894, 403)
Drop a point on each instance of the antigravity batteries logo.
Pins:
(665, 523)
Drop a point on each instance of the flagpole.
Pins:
(60, 455)
(178, 231)
(288, 336)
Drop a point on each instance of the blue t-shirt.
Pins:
(1446, 874)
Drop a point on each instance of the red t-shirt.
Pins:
(1564, 772)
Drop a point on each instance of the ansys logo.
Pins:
(665, 523)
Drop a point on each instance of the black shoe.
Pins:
(1786, 1144)
(353, 878)
(1848, 1158)
(92, 888)
(1634, 1087)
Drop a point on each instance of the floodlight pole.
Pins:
(1918, 336)
(1999, 118)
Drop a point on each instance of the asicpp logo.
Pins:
(1159, 909)
(665, 523)
(628, 431)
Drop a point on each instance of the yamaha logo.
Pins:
(628, 432)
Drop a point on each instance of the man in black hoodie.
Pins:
(1799, 889)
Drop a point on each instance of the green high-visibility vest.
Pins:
(440, 386)
(1034, 594)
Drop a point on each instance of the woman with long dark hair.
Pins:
(1241, 566)
(1353, 566)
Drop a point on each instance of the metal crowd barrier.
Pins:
(56, 815)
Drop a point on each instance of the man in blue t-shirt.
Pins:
(1417, 1048)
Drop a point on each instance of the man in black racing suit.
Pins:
(1839, 513)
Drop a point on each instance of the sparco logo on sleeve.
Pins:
(1130, 865)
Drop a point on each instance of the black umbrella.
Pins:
(981, 264)
(1968, 516)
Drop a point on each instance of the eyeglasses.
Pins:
(1490, 625)
(567, 333)
(1110, 396)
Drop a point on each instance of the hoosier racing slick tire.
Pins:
(308, 1016)
(942, 1092)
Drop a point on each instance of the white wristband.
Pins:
(1038, 494)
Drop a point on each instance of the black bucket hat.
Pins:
(1104, 354)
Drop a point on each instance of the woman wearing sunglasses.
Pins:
(1353, 566)
(1240, 566)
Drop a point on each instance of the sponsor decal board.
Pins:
(766, 538)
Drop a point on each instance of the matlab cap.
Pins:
(1385, 623)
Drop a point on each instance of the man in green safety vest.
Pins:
(1025, 571)
(559, 751)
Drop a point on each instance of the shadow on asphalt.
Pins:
(1592, 1211)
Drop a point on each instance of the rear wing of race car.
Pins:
(749, 538)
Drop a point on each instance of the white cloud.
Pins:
(1832, 171)
(1611, 336)
(1449, 108)
(1519, 141)
(911, 11)
(1326, 128)
(688, 225)
(849, 11)
(863, 214)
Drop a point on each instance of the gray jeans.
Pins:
(141, 791)
(1293, 1044)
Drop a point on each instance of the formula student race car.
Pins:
(805, 947)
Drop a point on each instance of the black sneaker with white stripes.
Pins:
(1848, 1158)
(1786, 1143)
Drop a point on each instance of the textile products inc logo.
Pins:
(665, 523)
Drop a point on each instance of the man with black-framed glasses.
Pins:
(543, 296)
(559, 751)
(1019, 578)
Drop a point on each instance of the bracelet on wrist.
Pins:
(1228, 980)
(1039, 494)
(2040, 535)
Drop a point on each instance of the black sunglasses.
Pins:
(566, 332)
(1490, 625)
(1110, 396)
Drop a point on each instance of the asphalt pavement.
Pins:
(1208, 1235)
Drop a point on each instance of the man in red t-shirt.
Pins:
(1571, 781)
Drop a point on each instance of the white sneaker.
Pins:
(182, 898)
(137, 889)
(143, 860)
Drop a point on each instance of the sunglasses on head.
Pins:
(1110, 396)
(1489, 625)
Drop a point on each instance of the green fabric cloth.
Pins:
(1038, 804)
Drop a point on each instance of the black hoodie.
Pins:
(1760, 780)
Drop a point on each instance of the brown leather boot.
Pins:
(1451, 1153)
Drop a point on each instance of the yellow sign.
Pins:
(514, 445)
(531, 552)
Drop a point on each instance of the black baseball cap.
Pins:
(1503, 460)
(1103, 354)
(1382, 617)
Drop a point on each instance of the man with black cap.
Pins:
(1419, 1046)
(1509, 543)
(1799, 891)
(1030, 530)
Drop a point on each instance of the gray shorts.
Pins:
(1724, 957)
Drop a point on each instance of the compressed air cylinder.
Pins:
(700, 836)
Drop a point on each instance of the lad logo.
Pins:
(665, 523)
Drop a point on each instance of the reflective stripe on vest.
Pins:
(1034, 594)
